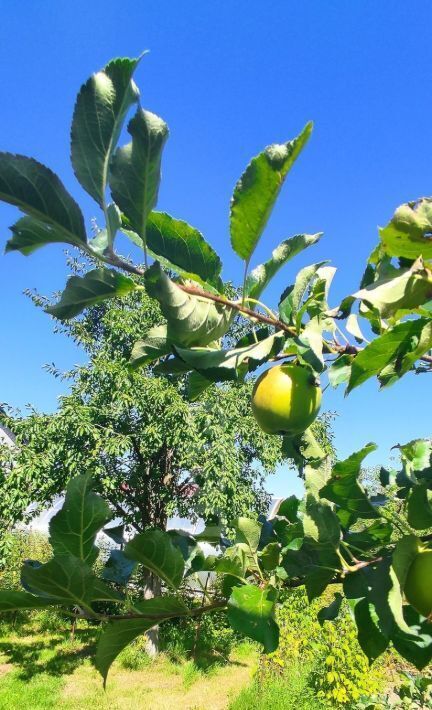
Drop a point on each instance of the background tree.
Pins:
(154, 453)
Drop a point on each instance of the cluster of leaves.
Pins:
(337, 534)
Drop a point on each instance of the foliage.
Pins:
(338, 670)
(152, 452)
(337, 534)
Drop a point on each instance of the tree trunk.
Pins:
(152, 588)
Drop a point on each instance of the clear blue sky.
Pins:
(229, 78)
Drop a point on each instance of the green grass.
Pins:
(287, 692)
(45, 670)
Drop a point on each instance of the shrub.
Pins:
(339, 672)
(21, 545)
(209, 640)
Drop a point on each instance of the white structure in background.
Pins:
(6, 436)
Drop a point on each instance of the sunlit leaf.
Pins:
(191, 320)
(135, 169)
(397, 349)
(257, 190)
(155, 550)
(83, 514)
(260, 277)
(251, 611)
(38, 192)
(95, 287)
(100, 110)
(408, 233)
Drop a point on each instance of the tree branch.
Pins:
(260, 317)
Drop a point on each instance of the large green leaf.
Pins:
(405, 291)
(100, 110)
(155, 550)
(118, 634)
(320, 522)
(261, 275)
(74, 528)
(251, 612)
(84, 291)
(191, 320)
(65, 577)
(408, 232)
(257, 190)
(184, 247)
(154, 345)
(415, 646)
(38, 192)
(219, 365)
(11, 600)
(248, 532)
(135, 169)
(344, 489)
(420, 507)
(392, 354)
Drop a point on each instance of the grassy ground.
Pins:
(48, 670)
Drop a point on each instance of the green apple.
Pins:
(418, 584)
(286, 399)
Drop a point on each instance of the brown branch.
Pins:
(161, 617)
(260, 317)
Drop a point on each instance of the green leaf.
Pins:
(100, 110)
(196, 385)
(315, 562)
(415, 646)
(10, 600)
(340, 370)
(154, 345)
(219, 365)
(257, 190)
(409, 230)
(135, 169)
(84, 291)
(65, 577)
(289, 508)
(182, 248)
(320, 523)
(406, 291)
(154, 550)
(293, 296)
(419, 512)
(398, 348)
(248, 532)
(372, 642)
(191, 320)
(251, 612)
(118, 634)
(261, 276)
(30, 234)
(38, 192)
(330, 612)
(344, 489)
(83, 514)
(270, 556)
(417, 457)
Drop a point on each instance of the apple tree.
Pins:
(336, 535)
